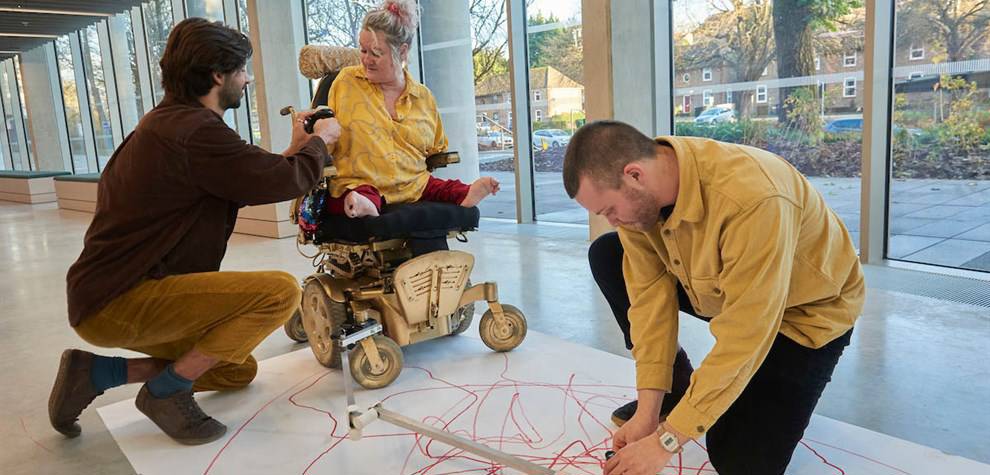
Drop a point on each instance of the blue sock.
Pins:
(108, 372)
(168, 383)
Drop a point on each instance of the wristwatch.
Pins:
(669, 441)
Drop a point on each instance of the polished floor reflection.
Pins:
(916, 370)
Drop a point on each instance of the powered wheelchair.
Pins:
(385, 282)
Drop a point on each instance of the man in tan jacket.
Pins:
(733, 235)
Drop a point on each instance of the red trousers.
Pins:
(444, 191)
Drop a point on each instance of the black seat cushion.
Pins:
(421, 220)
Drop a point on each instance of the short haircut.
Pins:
(601, 150)
(196, 49)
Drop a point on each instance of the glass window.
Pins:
(19, 87)
(849, 60)
(939, 197)
(128, 81)
(210, 9)
(96, 85)
(252, 94)
(15, 135)
(157, 25)
(335, 22)
(788, 107)
(706, 74)
(70, 97)
(496, 157)
(556, 68)
(686, 77)
(849, 88)
(917, 53)
(537, 96)
(761, 94)
(706, 98)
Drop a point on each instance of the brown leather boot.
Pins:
(72, 392)
(180, 417)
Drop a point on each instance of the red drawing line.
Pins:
(259, 411)
(28, 434)
(517, 435)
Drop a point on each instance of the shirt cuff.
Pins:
(654, 376)
(690, 421)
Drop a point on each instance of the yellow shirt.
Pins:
(375, 149)
(756, 249)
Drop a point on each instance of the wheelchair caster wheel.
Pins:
(294, 328)
(503, 337)
(362, 370)
(322, 317)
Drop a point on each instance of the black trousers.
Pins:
(757, 435)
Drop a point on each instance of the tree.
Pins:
(959, 28)
(560, 48)
(796, 24)
(490, 41)
(738, 37)
(335, 22)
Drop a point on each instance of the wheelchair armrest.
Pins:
(440, 160)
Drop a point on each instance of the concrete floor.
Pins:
(917, 368)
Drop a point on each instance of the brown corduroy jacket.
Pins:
(168, 199)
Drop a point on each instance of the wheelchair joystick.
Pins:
(310, 121)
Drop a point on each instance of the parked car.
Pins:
(495, 140)
(716, 115)
(550, 138)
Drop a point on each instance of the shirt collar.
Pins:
(413, 88)
(689, 205)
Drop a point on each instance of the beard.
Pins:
(230, 96)
(645, 207)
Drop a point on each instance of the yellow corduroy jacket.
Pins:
(756, 249)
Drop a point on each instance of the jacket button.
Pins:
(677, 262)
(666, 232)
(717, 291)
(700, 428)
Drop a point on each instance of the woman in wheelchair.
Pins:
(390, 124)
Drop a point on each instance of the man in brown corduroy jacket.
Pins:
(148, 277)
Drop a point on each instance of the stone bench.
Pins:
(28, 187)
(77, 192)
(271, 220)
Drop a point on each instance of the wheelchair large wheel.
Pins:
(466, 313)
(322, 318)
(294, 327)
(391, 356)
(466, 316)
(505, 337)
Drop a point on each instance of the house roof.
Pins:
(544, 77)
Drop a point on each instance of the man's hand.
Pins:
(643, 457)
(641, 425)
(327, 129)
